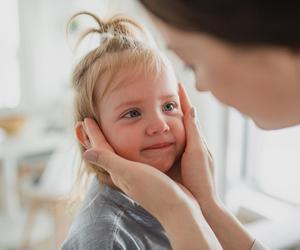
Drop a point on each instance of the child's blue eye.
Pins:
(170, 106)
(131, 114)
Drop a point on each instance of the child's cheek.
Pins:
(179, 132)
(125, 144)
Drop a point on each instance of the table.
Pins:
(11, 150)
(32, 140)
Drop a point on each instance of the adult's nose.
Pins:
(201, 82)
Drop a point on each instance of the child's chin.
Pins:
(163, 167)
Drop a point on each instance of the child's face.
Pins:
(142, 119)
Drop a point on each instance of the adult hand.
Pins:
(172, 204)
(197, 167)
(197, 173)
(145, 184)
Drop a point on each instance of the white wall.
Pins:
(9, 43)
(44, 56)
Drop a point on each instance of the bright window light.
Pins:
(9, 65)
(266, 161)
(277, 163)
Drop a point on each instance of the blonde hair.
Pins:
(123, 42)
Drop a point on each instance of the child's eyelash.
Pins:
(133, 112)
(174, 104)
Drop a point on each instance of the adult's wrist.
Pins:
(226, 227)
(187, 229)
(209, 205)
(167, 214)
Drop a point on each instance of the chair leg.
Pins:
(29, 224)
(61, 223)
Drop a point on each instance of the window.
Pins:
(276, 162)
(266, 161)
(9, 65)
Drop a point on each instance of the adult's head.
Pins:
(245, 52)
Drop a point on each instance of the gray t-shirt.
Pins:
(108, 219)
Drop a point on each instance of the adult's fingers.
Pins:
(185, 102)
(194, 136)
(95, 135)
(118, 167)
(189, 119)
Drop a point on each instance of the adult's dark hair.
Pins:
(243, 22)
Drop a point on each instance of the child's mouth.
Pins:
(159, 146)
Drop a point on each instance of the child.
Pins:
(130, 89)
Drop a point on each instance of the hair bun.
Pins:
(118, 25)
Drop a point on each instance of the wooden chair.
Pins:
(51, 192)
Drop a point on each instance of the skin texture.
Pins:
(262, 82)
(142, 118)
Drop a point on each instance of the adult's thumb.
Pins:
(91, 156)
(122, 172)
(105, 159)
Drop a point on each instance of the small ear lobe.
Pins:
(81, 135)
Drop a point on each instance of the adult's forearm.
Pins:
(229, 231)
(187, 229)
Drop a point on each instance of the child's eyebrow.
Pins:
(163, 97)
(129, 103)
(139, 101)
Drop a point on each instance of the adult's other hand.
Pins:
(197, 167)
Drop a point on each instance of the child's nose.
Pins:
(157, 126)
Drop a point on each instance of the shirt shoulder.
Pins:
(110, 220)
(108, 233)
(100, 224)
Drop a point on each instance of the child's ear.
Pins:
(81, 135)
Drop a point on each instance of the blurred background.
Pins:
(257, 171)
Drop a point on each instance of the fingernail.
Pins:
(193, 112)
(91, 156)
